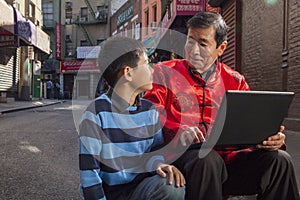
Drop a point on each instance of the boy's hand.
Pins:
(274, 142)
(173, 172)
(191, 135)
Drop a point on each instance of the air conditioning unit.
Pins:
(83, 19)
(69, 21)
(153, 26)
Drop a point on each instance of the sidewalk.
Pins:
(12, 106)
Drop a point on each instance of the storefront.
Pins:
(9, 54)
(21, 45)
(79, 78)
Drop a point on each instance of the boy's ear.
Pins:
(127, 73)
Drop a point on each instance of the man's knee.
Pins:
(211, 160)
(280, 157)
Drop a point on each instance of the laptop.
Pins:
(247, 118)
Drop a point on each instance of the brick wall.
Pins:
(294, 62)
(262, 44)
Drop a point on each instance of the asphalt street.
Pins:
(38, 152)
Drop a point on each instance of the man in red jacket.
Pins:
(188, 93)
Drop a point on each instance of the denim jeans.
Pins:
(152, 188)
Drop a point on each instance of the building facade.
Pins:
(83, 26)
(126, 20)
(23, 45)
(265, 46)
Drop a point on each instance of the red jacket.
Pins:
(185, 99)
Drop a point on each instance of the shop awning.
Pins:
(7, 38)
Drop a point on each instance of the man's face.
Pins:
(201, 48)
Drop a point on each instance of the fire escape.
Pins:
(94, 17)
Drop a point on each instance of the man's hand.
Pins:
(173, 172)
(191, 135)
(274, 142)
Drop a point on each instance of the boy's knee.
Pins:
(172, 192)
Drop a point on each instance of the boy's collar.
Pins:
(119, 104)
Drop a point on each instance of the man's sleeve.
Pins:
(90, 145)
(159, 96)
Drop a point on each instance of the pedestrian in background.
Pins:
(49, 87)
(57, 89)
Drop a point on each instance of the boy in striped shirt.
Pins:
(120, 134)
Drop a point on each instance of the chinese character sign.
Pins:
(189, 7)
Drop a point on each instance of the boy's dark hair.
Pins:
(207, 19)
(117, 52)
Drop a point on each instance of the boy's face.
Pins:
(142, 75)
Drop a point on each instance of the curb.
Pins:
(29, 107)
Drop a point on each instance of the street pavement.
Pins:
(292, 141)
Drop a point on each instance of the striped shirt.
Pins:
(116, 145)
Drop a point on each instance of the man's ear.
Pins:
(127, 73)
(222, 48)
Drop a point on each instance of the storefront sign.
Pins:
(91, 52)
(58, 41)
(125, 16)
(7, 39)
(68, 66)
(189, 7)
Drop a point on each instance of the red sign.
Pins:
(76, 65)
(189, 7)
(58, 41)
(7, 39)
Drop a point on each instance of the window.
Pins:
(69, 49)
(84, 43)
(31, 11)
(101, 12)
(84, 14)
(136, 30)
(154, 8)
(99, 41)
(68, 10)
(68, 38)
(16, 5)
(48, 14)
(147, 21)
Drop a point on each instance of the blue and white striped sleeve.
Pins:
(90, 146)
